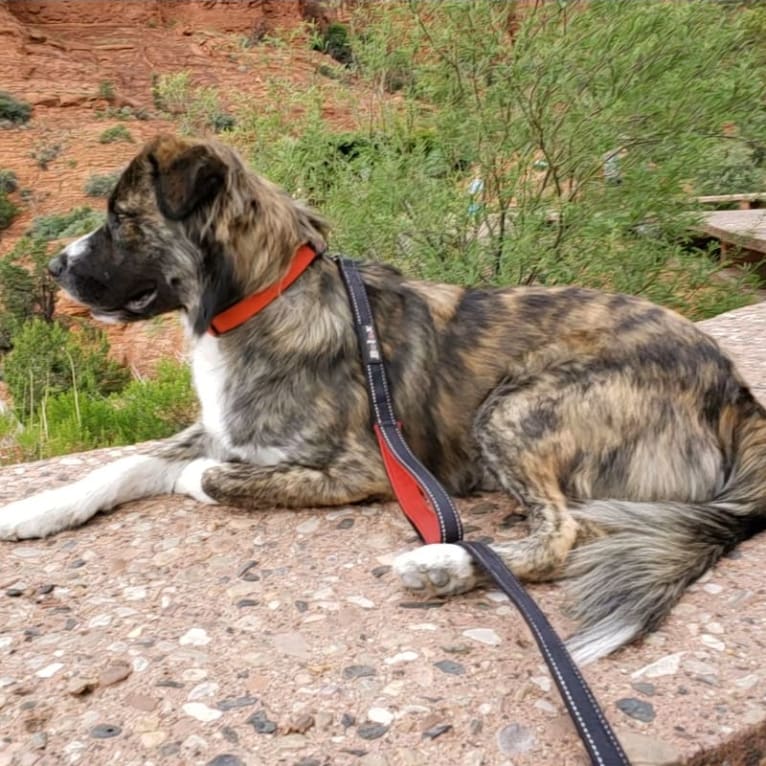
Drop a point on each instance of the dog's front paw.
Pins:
(36, 516)
(189, 481)
(439, 569)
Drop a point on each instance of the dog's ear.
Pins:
(186, 180)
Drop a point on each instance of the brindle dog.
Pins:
(636, 449)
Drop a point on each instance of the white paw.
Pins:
(189, 481)
(39, 515)
(440, 569)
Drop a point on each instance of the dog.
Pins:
(627, 436)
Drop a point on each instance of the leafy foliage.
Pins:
(49, 359)
(72, 421)
(114, 134)
(559, 143)
(78, 221)
(101, 185)
(14, 110)
(198, 108)
(25, 290)
(8, 181)
(334, 40)
(8, 210)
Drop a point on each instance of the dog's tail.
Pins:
(624, 584)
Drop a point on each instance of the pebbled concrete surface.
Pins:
(169, 633)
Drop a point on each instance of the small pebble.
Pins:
(436, 731)
(205, 689)
(114, 673)
(105, 731)
(380, 715)
(152, 739)
(226, 759)
(168, 682)
(299, 724)
(308, 527)
(421, 604)
(44, 590)
(347, 719)
(79, 686)
(361, 601)
(358, 671)
(232, 703)
(644, 687)
(230, 735)
(371, 730)
(638, 709)
(247, 573)
(260, 722)
(201, 712)
(712, 642)
(408, 656)
(14, 592)
(49, 670)
(345, 523)
(302, 606)
(38, 741)
(483, 636)
(515, 739)
(380, 571)
(243, 603)
(448, 666)
(194, 637)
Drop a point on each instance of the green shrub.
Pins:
(730, 167)
(106, 90)
(8, 211)
(8, 181)
(114, 134)
(172, 92)
(45, 153)
(145, 409)
(101, 185)
(13, 110)
(49, 359)
(540, 161)
(76, 222)
(25, 290)
(334, 40)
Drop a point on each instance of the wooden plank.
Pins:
(710, 199)
(743, 228)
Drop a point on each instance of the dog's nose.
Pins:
(57, 265)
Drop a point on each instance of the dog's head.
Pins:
(187, 227)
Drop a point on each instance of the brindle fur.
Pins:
(616, 423)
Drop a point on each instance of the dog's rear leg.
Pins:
(517, 434)
(129, 478)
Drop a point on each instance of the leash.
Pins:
(432, 512)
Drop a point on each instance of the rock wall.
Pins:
(217, 15)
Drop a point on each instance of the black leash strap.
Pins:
(433, 514)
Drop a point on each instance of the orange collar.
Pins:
(248, 307)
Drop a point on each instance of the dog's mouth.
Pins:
(136, 307)
(141, 300)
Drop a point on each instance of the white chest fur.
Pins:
(209, 369)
